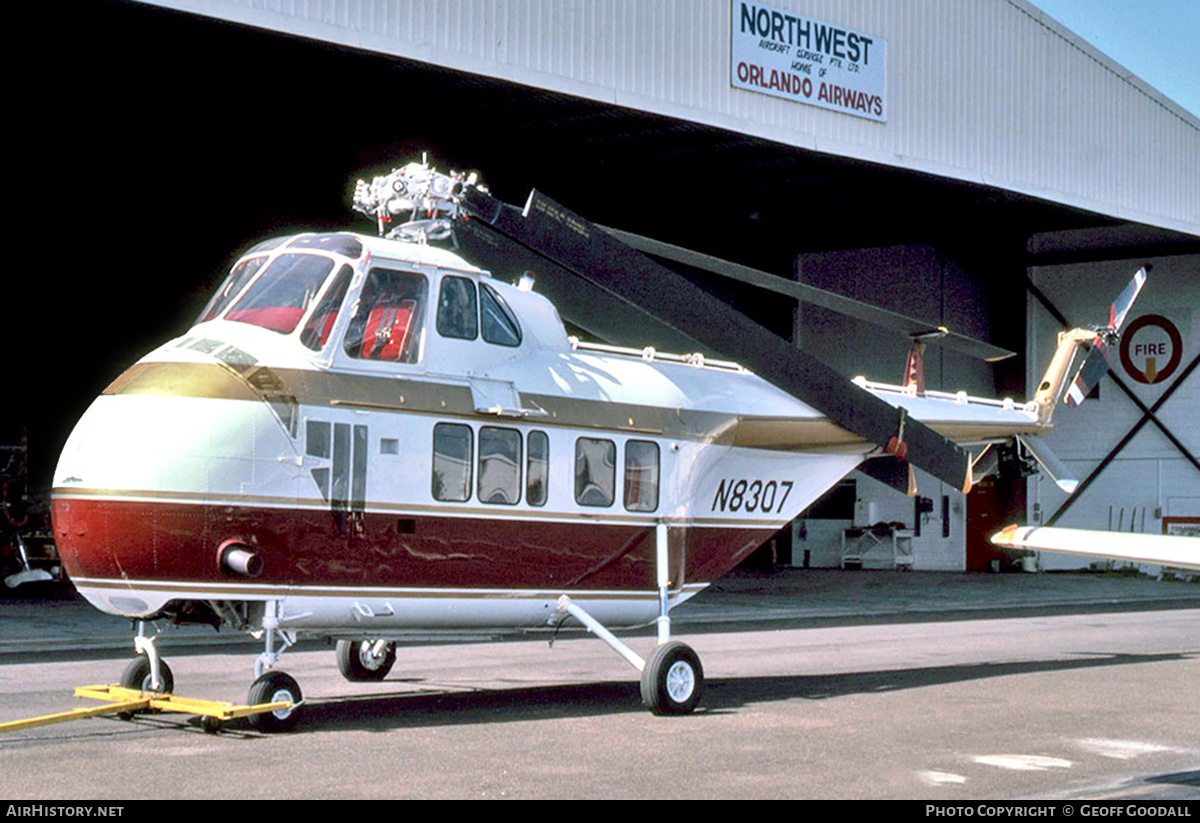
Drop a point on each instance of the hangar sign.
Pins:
(804, 60)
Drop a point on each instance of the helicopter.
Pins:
(367, 438)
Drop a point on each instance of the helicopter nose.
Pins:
(164, 469)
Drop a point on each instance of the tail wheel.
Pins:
(358, 662)
(673, 679)
(275, 687)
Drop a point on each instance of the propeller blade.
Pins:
(575, 244)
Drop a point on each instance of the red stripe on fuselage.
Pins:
(168, 541)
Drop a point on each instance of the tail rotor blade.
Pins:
(1095, 366)
(1124, 301)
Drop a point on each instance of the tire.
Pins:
(673, 680)
(358, 665)
(137, 676)
(274, 687)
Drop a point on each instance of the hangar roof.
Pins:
(992, 93)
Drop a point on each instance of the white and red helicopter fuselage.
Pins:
(322, 463)
(369, 439)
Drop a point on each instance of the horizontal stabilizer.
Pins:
(1050, 463)
(1159, 549)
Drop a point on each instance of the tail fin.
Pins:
(1055, 384)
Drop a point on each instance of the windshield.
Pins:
(282, 293)
(239, 276)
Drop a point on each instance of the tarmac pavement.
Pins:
(52, 618)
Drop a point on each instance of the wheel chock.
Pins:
(129, 701)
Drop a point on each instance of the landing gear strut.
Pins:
(274, 686)
(672, 679)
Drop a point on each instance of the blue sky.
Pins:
(1158, 40)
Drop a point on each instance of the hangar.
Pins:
(975, 165)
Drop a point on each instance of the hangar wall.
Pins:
(993, 91)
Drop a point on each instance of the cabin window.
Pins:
(387, 320)
(452, 451)
(238, 277)
(641, 476)
(537, 471)
(320, 324)
(316, 438)
(499, 465)
(282, 293)
(317, 443)
(595, 471)
(457, 315)
(499, 323)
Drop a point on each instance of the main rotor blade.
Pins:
(579, 302)
(596, 256)
(807, 293)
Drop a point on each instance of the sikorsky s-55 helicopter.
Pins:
(366, 437)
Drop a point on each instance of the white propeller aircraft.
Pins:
(369, 438)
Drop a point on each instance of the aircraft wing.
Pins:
(1159, 549)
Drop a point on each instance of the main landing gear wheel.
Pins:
(274, 687)
(137, 676)
(358, 662)
(672, 680)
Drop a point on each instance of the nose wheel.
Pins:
(138, 675)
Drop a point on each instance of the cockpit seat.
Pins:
(387, 331)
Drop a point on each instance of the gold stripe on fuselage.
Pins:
(310, 387)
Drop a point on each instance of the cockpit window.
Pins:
(238, 277)
(457, 315)
(499, 323)
(282, 293)
(320, 324)
(387, 321)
